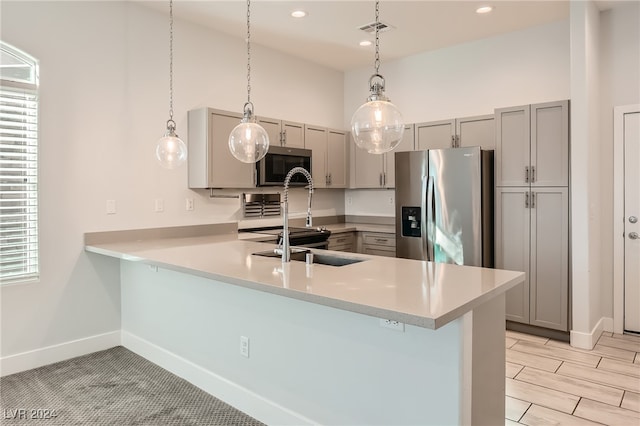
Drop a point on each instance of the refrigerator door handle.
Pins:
(430, 207)
(424, 250)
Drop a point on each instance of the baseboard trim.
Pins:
(233, 394)
(588, 340)
(48, 355)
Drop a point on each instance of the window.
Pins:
(18, 165)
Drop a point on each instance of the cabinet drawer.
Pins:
(378, 251)
(378, 239)
(342, 241)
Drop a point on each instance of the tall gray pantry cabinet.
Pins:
(532, 210)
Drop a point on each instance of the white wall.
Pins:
(619, 85)
(522, 67)
(104, 103)
(585, 172)
(303, 357)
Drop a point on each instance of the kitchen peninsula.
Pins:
(381, 341)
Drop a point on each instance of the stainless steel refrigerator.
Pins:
(444, 206)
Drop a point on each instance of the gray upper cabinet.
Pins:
(210, 163)
(406, 144)
(316, 141)
(378, 170)
(329, 156)
(455, 133)
(283, 133)
(476, 131)
(435, 135)
(532, 145)
(337, 156)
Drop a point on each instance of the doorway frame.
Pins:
(618, 213)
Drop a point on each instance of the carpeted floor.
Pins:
(112, 387)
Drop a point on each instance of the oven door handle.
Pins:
(319, 245)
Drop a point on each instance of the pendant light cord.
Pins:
(171, 61)
(377, 61)
(249, 51)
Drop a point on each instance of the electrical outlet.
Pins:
(159, 205)
(244, 346)
(189, 204)
(392, 324)
(349, 201)
(111, 206)
(391, 200)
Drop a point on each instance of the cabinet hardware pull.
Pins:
(381, 184)
(381, 240)
(453, 141)
(533, 173)
(526, 200)
(533, 200)
(526, 174)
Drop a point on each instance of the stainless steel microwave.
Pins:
(273, 168)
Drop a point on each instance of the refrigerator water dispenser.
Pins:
(411, 221)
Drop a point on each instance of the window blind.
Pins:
(18, 184)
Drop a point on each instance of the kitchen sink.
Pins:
(320, 259)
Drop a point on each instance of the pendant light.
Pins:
(171, 151)
(377, 126)
(248, 141)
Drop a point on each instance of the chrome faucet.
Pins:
(286, 251)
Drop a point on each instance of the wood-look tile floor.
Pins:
(550, 383)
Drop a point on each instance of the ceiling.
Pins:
(329, 35)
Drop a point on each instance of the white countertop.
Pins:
(414, 292)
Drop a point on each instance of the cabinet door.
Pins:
(368, 168)
(272, 127)
(512, 146)
(550, 144)
(476, 131)
(337, 159)
(549, 274)
(316, 141)
(293, 134)
(406, 144)
(225, 170)
(512, 246)
(435, 134)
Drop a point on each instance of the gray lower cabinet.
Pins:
(343, 241)
(532, 235)
(377, 243)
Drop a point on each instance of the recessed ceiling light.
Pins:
(298, 13)
(484, 9)
(365, 43)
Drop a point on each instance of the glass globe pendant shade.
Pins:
(171, 151)
(248, 141)
(377, 126)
